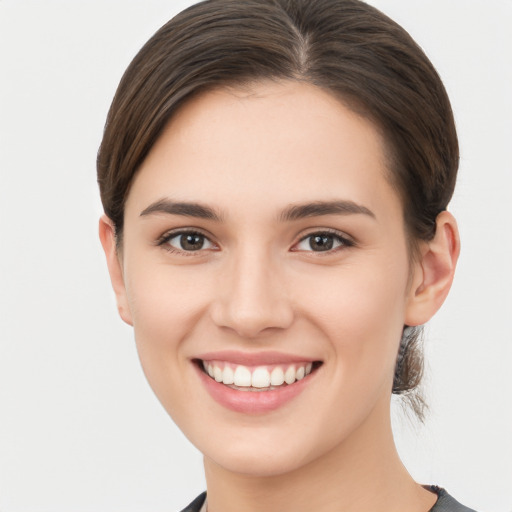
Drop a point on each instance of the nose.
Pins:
(252, 298)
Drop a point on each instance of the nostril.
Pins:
(251, 322)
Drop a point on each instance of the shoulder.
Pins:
(445, 503)
(196, 505)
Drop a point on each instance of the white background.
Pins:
(79, 427)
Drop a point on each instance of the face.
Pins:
(265, 270)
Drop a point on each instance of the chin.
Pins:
(265, 450)
(258, 462)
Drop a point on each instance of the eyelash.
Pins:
(343, 240)
(164, 240)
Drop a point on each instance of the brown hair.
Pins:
(343, 46)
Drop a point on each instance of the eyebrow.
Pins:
(182, 208)
(318, 208)
(291, 213)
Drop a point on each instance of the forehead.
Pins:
(282, 142)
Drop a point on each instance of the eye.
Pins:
(322, 242)
(186, 241)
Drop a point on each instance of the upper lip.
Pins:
(254, 358)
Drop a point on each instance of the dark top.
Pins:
(445, 503)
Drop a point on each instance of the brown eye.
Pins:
(189, 242)
(322, 242)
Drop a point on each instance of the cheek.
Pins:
(359, 321)
(166, 306)
(361, 311)
(165, 301)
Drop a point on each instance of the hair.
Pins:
(345, 47)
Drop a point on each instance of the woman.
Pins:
(275, 177)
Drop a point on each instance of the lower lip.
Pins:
(252, 402)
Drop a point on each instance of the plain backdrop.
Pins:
(80, 430)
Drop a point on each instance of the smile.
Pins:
(259, 378)
(255, 383)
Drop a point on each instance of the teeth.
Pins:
(259, 378)
(217, 374)
(289, 375)
(277, 376)
(228, 376)
(242, 376)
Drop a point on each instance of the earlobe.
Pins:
(114, 264)
(434, 271)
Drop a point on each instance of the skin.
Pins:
(258, 285)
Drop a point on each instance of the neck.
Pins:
(363, 473)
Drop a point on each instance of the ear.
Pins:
(114, 263)
(433, 273)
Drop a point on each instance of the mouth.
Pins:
(257, 378)
(256, 383)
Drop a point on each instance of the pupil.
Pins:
(191, 242)
(321, 242)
